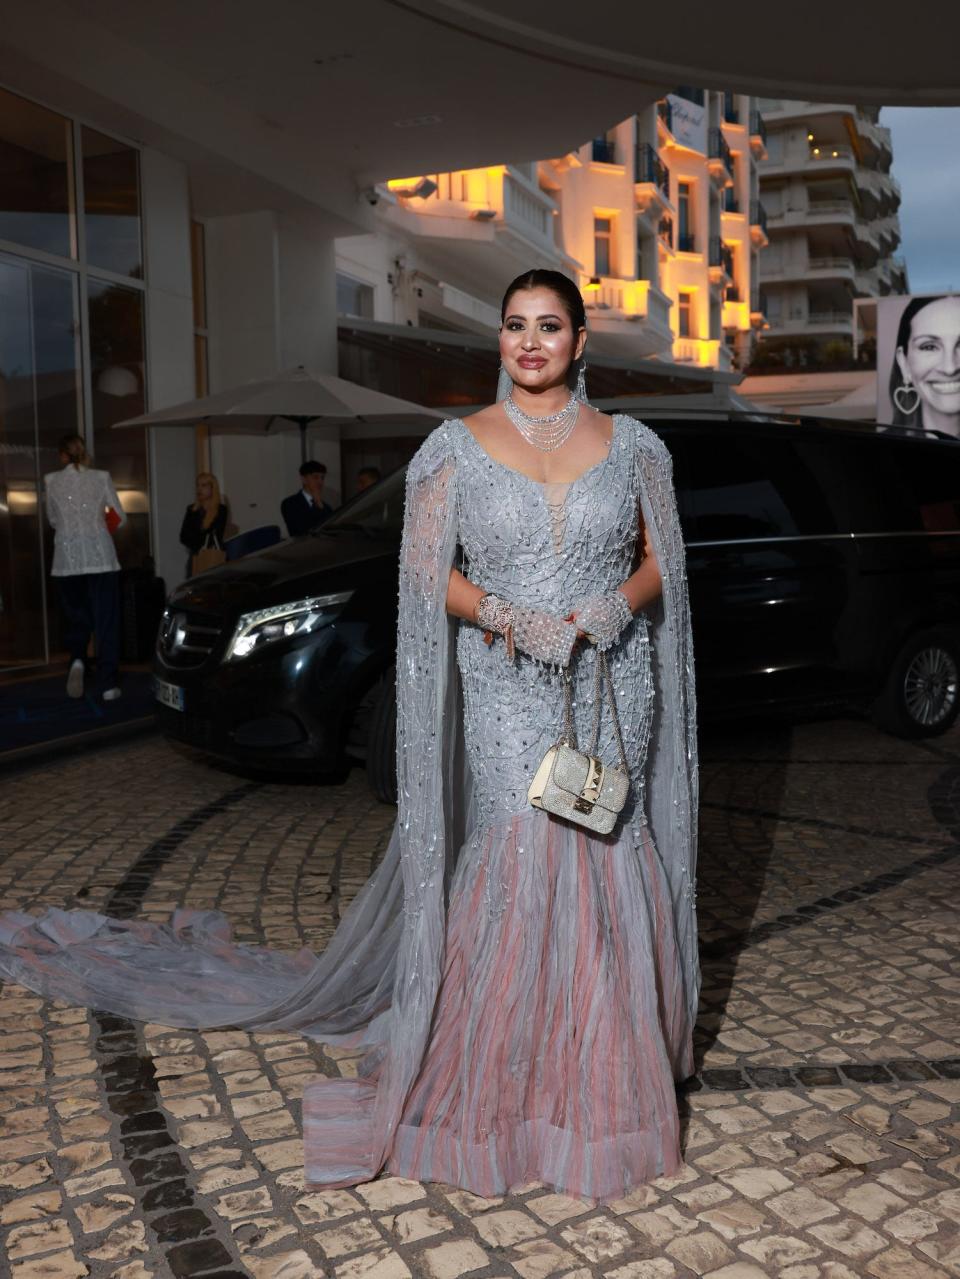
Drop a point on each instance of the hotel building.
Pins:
(658, 220)
(831, 205)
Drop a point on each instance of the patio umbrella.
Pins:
(297, 398)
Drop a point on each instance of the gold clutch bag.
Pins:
(576, 785)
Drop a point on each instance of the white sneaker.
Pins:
(111, 694)
(75, 679)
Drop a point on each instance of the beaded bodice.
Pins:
(549, 546)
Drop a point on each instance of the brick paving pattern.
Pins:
(821, 1133)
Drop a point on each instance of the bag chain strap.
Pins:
(602, 676)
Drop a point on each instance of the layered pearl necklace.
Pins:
(545, 433)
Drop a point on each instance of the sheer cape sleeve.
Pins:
(672, 765)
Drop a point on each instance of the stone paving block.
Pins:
(898, 1263)
(416, 1223)
(540, 1258)
(597, 1238)
(391, 1192)
(56, 1265)
(284, 1265)
(555, 1208)
(35, 1207)
(355, 1236)
(451, 1260)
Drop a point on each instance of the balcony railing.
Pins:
(757, 127)
(721, 255)
(648, 167)
(729, 203)
(731, 112)
(758, 215)
(826, 151)
(665, 231)
(822, 208)
(603, 151)
(830, 264)
(690, 93)
(717, 149)
(686, 242)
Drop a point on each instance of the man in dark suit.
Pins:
(306, 510)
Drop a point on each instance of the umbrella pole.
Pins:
(302, 423)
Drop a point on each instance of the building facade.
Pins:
(658, 220)
(831, 205)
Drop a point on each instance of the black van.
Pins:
(824, 568)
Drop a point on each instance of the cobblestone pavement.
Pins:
(821, 1134)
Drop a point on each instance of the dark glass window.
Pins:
(36, 202)
(602, 237)
(117, 376)
(746, 486)
(901, 485)
(111, 204)
(39, 375)
(684, 314)
(354, 297)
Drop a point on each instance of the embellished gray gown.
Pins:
(526, 990)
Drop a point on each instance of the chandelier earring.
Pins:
(580, 390)
(904, 392)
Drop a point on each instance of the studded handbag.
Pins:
(576, 785)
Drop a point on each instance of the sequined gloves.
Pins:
(603, 618)
(540, 635)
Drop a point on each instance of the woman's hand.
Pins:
(540, 635)
(602, 619)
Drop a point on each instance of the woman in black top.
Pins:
(204, 522)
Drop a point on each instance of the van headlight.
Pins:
(284, 621)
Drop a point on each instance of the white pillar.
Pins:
(271, 305)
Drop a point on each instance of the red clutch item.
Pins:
(112, 519)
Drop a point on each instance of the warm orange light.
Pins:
(816, 150)
(809, 137)
(592, 285)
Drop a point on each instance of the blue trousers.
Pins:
(91, 603)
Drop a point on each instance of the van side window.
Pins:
(906, 486)
(748, 486)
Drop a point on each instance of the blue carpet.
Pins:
(37, 712)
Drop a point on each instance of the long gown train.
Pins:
(525, 991)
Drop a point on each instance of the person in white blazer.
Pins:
(85, 565)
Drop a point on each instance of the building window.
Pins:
(111, 204)
(685, 324)
(36, 193)
(354, 298)
(686, 242)
(603, 246)
(71, 345)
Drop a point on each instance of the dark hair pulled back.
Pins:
(557, 282)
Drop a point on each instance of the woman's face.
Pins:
(537, 339)
(932, 358)
(204, 490)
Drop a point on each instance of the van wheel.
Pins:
(921, 697)
(382, 741)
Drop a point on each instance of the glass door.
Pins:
(39, 402)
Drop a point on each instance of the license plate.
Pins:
(168, 694)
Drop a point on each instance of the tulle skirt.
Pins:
(559, 1030)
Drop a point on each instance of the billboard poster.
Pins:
(688, 123)
(918, 362)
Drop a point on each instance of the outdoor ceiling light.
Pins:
(425, 187)
(283, 621)
(592, 284)
(483, 215)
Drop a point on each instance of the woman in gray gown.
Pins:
(526, 989)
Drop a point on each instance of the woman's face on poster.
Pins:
(931, 360)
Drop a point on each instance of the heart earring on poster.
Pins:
(907, 389)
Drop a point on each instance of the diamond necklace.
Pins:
(545, 433)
